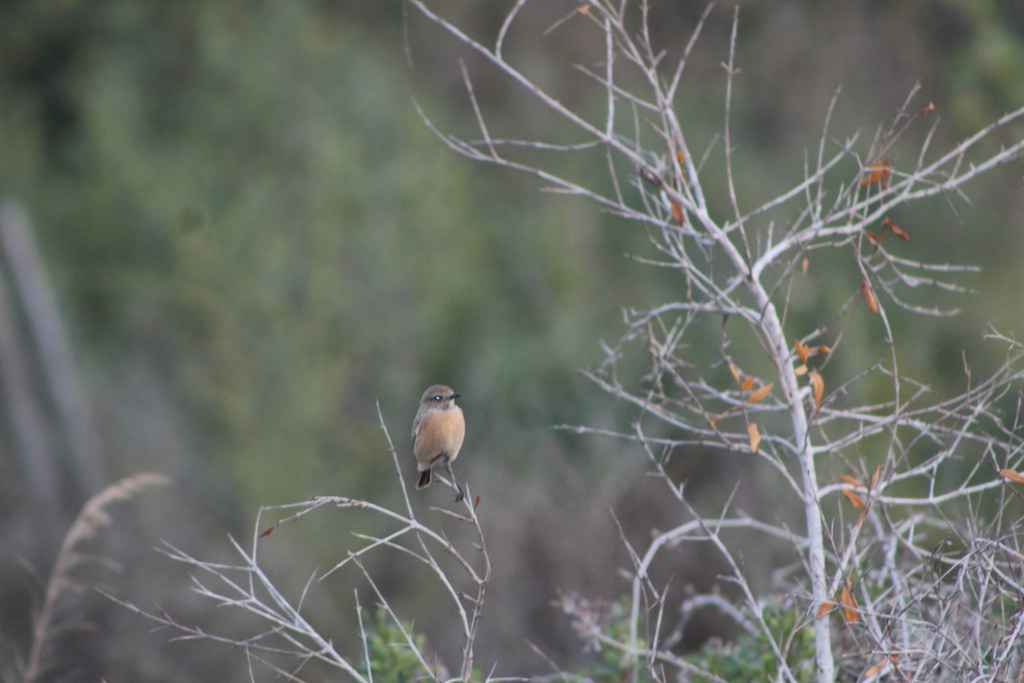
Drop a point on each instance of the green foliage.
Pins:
(613, 666)
(750, 657)
(745, 657)
(391, 658)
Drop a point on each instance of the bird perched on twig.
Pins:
(437, 434)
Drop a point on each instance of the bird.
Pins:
(437, 434)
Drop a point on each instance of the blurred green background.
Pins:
(254, 240)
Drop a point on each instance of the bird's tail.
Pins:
(424, 481)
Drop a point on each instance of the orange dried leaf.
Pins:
(824, 608)
(857, 501)
(928, 110)
(677, 212)
(803, 266)
(879, 173)
(476, 502)
(869, 296)
(735, 373)
(872, 236)
(268, 531)
(876, 668)
(714, 420)
(800, 371)
(748, 384)
(679, 157)
(824, 349)
(887, 224)
(755, 437)
(819, 387)
(761, 393)
(850, 480)
(874, 477)
(849, 605)
(1012, 475)
(802, 351)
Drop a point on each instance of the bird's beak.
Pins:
(455, 395)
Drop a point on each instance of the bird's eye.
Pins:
(438, 398)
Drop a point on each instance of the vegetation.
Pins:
(251, 232)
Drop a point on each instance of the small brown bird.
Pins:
(437, 434)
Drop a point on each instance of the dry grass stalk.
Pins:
(90, 521)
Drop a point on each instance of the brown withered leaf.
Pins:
(803, 266)
(748, 384)
(879, 172)
(857, 501)
(878, 668)
(869, 296)
(755, 437)
(928, 110)
(800, 370)
(872, 670)
(677, 212)
(735, 373)
(851, 481)
(819, 387)
(802, 351)
(849, 604)
(761, 393)
(887, 224)
(874, 477)
(1012, 475)
(824, 608)
(824, 349)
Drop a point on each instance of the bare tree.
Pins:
(934, 465)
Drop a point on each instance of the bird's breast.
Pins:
(440, 431)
